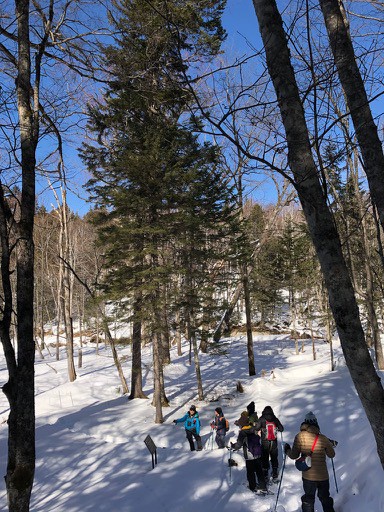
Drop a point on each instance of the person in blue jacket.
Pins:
(192, 427)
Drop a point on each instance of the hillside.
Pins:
(91, 454)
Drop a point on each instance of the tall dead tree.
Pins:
(319, 219)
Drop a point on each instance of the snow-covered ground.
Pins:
(91, 454)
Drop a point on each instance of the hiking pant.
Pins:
(269, 450)
(220, 438)
(190, 436)
(308, 499)
(253, 466)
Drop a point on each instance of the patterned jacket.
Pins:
(302, 445)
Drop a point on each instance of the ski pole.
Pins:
(281, 478)
(230, 465)
(334, 474)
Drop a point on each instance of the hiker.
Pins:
(243, 424)
(254, 468)
(219, 424)
(316, 478)
(192, 427)
(270, 425)
(252, 414)
(245, 429)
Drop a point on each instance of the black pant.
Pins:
(190, 436)
(269, 450)
(254, 466)
(308, 499)
(220, 438)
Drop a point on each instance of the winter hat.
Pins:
(243, 421)
(193, 408)
(311, 419)
(267, 410)
(219, 411)
(251, 408)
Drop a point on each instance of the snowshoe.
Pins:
(263, 492)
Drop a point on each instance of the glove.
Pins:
(174, 421)
(334, 443)
(287, 448)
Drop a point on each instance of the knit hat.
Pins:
(311, 419)
(251, 408)
(243, 421)
(219, 411)
(268, 410)
(192, 408)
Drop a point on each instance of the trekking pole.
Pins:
(334, 474)
(281, 478)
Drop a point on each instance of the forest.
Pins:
(175, 131)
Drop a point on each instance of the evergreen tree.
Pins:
(146, 164)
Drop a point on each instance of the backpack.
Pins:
(271, 430)
(226, 423)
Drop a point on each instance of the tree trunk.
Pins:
(66, 296)
(157, 378)
(80, 353)
(320, 221)
(178, 333)
(136, 373)
(353, 86)
(228, 313)
(248, 316)
(20, 388)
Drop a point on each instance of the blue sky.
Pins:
(242, 27)
(241, 24)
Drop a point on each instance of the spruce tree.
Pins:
(146, 162)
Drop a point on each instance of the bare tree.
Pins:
(20, 386)
(357, 99)
(319, 219)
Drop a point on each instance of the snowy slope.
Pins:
(91, 454)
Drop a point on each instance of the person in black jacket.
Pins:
(219, 425)
(270, 425)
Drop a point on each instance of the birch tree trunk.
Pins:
(319, 219)
(66, 296)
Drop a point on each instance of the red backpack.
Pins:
(271, 429)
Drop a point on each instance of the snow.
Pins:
(90, 446)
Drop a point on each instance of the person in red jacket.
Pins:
(316, 478)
